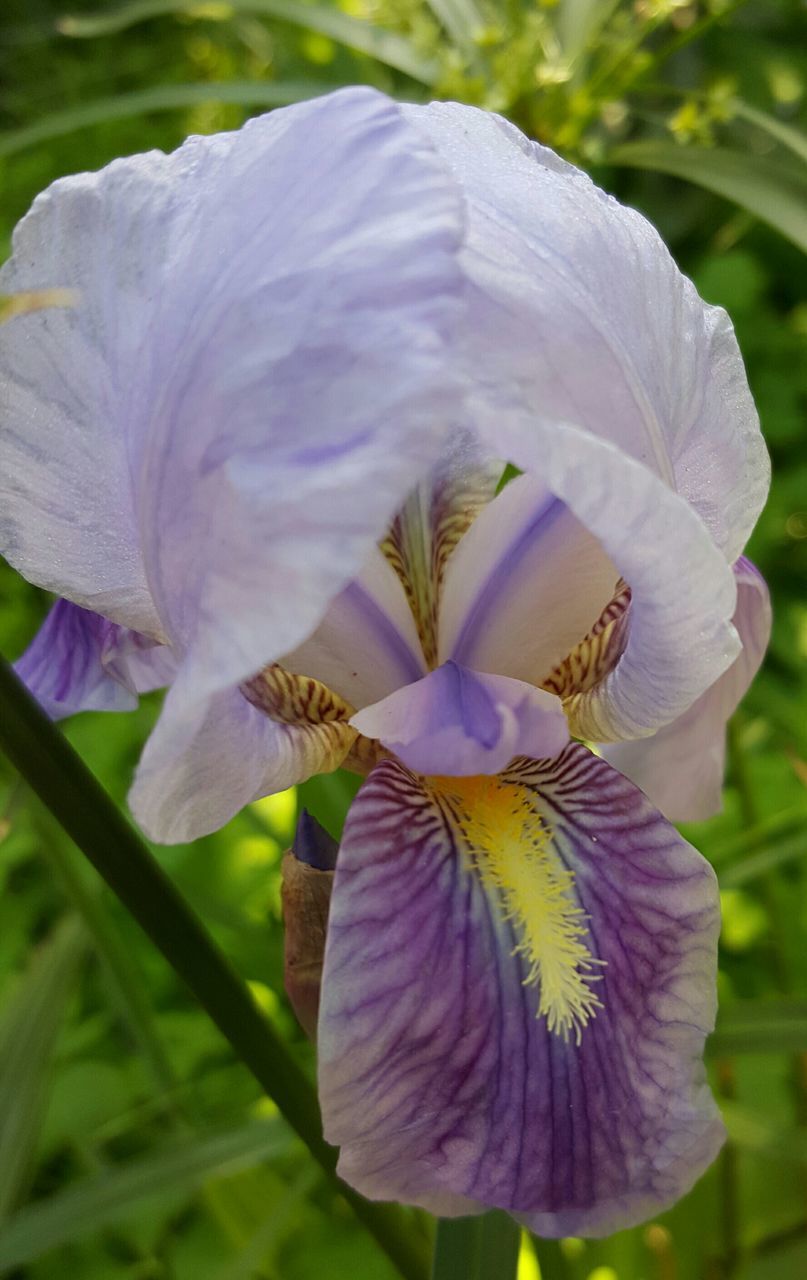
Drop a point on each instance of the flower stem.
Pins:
(77, 800)
(476, 1248)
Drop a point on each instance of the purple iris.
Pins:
(263, 456)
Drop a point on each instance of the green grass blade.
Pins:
(759, 864)
(126, 981)
(169, 97)
(76, 799)
(774, 192)
(385, 46)
(760, 1026)
(459, 19)
(28, 1033)
(476, 1248)
(117, 1193)
(751, 1131)
(786, 134)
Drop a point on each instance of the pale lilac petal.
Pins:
(367, 644)
(460, 722)
(230, 754)
(524, 585)
(581, 313)
(681, 767)
(437, 1079)
(256, 373)
(595, 367)
(79, 661)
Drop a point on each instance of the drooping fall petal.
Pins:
(519, 978)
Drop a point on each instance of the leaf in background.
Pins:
(460, 19)
(116, 1193)
(774, 192)
(752, 1131)
(168, 97)
(28, 1033)
(760, 1026)
(385, 46)
(758, 864)
(787, 134)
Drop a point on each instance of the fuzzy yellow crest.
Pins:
(512, 850)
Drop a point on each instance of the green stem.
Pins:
(76, 799)
(483, 1248)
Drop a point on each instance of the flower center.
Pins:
(513, 852)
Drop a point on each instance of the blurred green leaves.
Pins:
(29, 1028)
(769, 189)
(114, 1195)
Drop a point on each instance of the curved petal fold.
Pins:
(223, 755)
(253, 376)
(467, 915)
(79, 661)
(681, 768)
(523, 586)
(367, 644)
(460, 722)
(579, 311)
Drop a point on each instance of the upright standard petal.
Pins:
(681, 767)
(553, 1067)
(524, 585)
(456, 721)
(79, 661)
(592, 364)
(367, 644)
(593, 323)
(252, 380)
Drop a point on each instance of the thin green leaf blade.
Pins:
(385, 46)
(773, 192)
(760, 1026)
(786, 134)
(169, 97)
(754, 1132)
(476, 1248)
(114, 1195)
(28, 1034)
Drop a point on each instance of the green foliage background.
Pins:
(132, 1144)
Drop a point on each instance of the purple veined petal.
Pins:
(254, 378)
(79, 661)
(524, 585)
(367, 644)
(438, 1079)
(460, 722)
(578, 310)
(225, 755)
(681, 767)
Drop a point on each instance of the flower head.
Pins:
(264, 458)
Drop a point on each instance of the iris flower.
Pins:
(384, 439)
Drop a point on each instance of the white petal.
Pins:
(524, 585)
(681, 767)
(593, 323)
